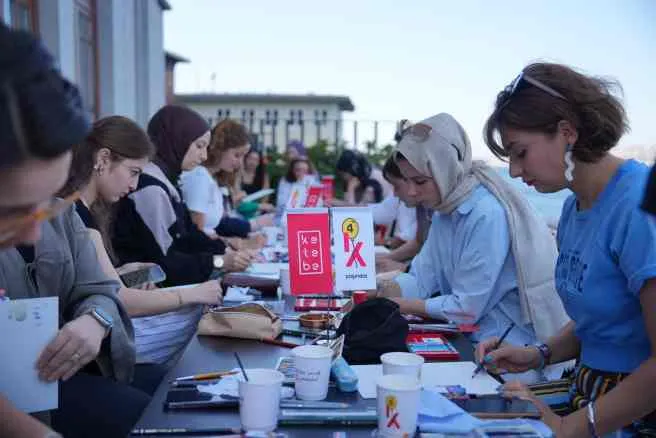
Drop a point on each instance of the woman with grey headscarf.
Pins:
(488, 254)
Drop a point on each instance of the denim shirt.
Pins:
(468, 260)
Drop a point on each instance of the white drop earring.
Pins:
(569, 163)
(98, 169)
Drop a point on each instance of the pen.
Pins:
(206, 376)
(183, 431)
(496, 346)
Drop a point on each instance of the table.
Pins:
(204, 354)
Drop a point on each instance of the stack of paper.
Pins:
(438, 374)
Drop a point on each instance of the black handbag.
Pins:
(372, 328)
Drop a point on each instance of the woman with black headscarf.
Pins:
(153, 224)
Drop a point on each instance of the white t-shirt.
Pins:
(201, 193)
(392, 209)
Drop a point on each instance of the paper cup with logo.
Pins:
(402, 363)
(312, 364)
(397, 405)
(259, 400)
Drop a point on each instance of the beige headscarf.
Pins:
(446, 156)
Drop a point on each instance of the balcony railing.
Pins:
(276, 133)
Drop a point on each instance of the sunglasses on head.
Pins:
(419, 132)
(522, 81)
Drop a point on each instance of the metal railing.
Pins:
(277, 133)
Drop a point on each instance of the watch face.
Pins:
(104, 315)
(218, 262)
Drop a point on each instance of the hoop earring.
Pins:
(569, 163)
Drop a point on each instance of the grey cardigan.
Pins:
(65, 264)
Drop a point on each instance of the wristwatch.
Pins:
(545, 352)
(218, 262)
(103, 318)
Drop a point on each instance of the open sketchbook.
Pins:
(432, 374)
(26, 327)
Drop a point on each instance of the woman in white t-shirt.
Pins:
(201, 187)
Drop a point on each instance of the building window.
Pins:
(325, 116)
(87, 54)
(219, 113)
(23, 14)
(227, 114)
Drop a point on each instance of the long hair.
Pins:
(227, 134)
(125, 140)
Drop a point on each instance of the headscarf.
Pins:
(41, 113)
(172, 129)
(298, 146)
(445, 155)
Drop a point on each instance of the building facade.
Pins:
(112, 49)
(277, 119)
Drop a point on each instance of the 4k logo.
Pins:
(350, 231)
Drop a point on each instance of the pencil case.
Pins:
(246, 321)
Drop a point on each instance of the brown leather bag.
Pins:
(246, 321)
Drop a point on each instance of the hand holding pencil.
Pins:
(500, 358)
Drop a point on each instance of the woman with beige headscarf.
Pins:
(488, 254)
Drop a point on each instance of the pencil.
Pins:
(206, 376)
(496, 346)
(279, 343)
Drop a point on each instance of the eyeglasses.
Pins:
(51, 208)
(522, 81)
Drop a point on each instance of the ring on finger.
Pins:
(76, 357)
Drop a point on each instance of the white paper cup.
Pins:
(312, 364)
(402, 363)
(284, 281)
(259, 400)
(271, 235)
(397, 405)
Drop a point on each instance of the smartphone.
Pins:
(140, 277)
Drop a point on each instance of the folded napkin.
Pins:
(439, 414)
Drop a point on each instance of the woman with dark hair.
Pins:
(106, 167)
(153, 224)
(358, 175)
(298, 172)
(45, 252)
(557, 127)
(253, 175)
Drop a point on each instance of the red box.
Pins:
(431, 346)
(310, 267)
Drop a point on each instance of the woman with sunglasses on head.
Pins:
(45, 251)
(557, 127)
(480, 255)
(105, 168)
(153, 224)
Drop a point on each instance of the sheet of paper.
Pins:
(266, 270)
(432, 374)
(26, 327)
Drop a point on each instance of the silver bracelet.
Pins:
(591, 420)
